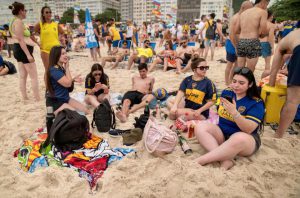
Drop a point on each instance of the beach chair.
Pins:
(129, 43)
(175, 45)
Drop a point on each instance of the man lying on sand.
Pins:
(140, 94)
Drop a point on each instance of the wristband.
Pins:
(237, 115)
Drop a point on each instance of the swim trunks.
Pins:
(266, 49)
(135, 97)
(20, 55)
(249, 48)
(294, 68)
(230, 51)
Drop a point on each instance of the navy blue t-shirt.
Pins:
(250, 108)
(61, 93)
(198, 93)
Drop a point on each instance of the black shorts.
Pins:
(202, 46)
(53, 102)
(256, 138)
(184, 61)
(135, 97)
(249, 48)
(20, 55)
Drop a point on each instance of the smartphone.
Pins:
(229, 98)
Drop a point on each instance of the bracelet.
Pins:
(237, 115)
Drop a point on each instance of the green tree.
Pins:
(286, 10)
(236, 5)
(108, 14)
(68, 16)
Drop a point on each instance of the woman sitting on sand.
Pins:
(167, 57)
(241, 113)
(97, 86)
(199, 93)
(59, 82)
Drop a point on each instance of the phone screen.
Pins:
(228, 98)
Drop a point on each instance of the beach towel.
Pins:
(90, 161)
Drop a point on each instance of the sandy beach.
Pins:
(274, 171)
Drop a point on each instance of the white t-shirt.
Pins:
(200, 26)
(179, 31)
(129, 31)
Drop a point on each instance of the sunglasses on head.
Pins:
(97, 74)
(241, 70)
(203, 67)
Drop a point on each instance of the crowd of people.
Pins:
(250, 34)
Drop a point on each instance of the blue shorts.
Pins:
(266, 49)
(209, 42)
(115, 43)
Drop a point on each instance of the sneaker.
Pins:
(118, 132)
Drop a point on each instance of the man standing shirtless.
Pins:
(140, 94)
(267, 43)
(288, 45)
(252, 24)
(229, 45)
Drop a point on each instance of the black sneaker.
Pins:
(118, 132)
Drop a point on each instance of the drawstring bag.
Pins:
(158, 138)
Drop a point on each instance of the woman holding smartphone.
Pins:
(59, 83)
(97, 86)
(241, 112)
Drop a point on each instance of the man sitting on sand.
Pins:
(184, 53)
(140, 94)
(117, 56)
(141, 55)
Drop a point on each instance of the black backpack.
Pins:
(104, 117)
(210, 32)
(69, 131)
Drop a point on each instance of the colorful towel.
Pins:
(90, 161)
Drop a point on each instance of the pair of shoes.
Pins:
(118, 132)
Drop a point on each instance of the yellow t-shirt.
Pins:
(147, 52)
(115, 32)
(49, 36)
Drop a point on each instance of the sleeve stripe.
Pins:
(253, 118)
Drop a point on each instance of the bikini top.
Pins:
(26, 32)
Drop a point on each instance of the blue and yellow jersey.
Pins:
(61, 93)
(198, 93)
(251, 108)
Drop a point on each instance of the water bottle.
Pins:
(49, 118)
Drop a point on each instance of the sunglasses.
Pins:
(203, 68)
(97, 74)
(147, 43)
(241, 70)
(47, 12)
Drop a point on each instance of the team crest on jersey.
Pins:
(194, 85)
(241, 109)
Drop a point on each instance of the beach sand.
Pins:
(274, 171)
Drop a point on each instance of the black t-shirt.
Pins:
(90, 83)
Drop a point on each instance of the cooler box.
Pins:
(274, 98)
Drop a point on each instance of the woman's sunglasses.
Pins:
(241, 70)
(203, 68)
(48, 12)
(97, 74)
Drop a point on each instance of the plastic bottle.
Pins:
(157, 109)
(49, 118)
(147, 109)
(183, 144)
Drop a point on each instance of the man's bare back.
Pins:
(253, 23)
(144, 86)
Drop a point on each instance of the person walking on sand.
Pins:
(140, 94)
(23, 49)
(252, 24)
(49, 32)
(229, 45)
(288, 45)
